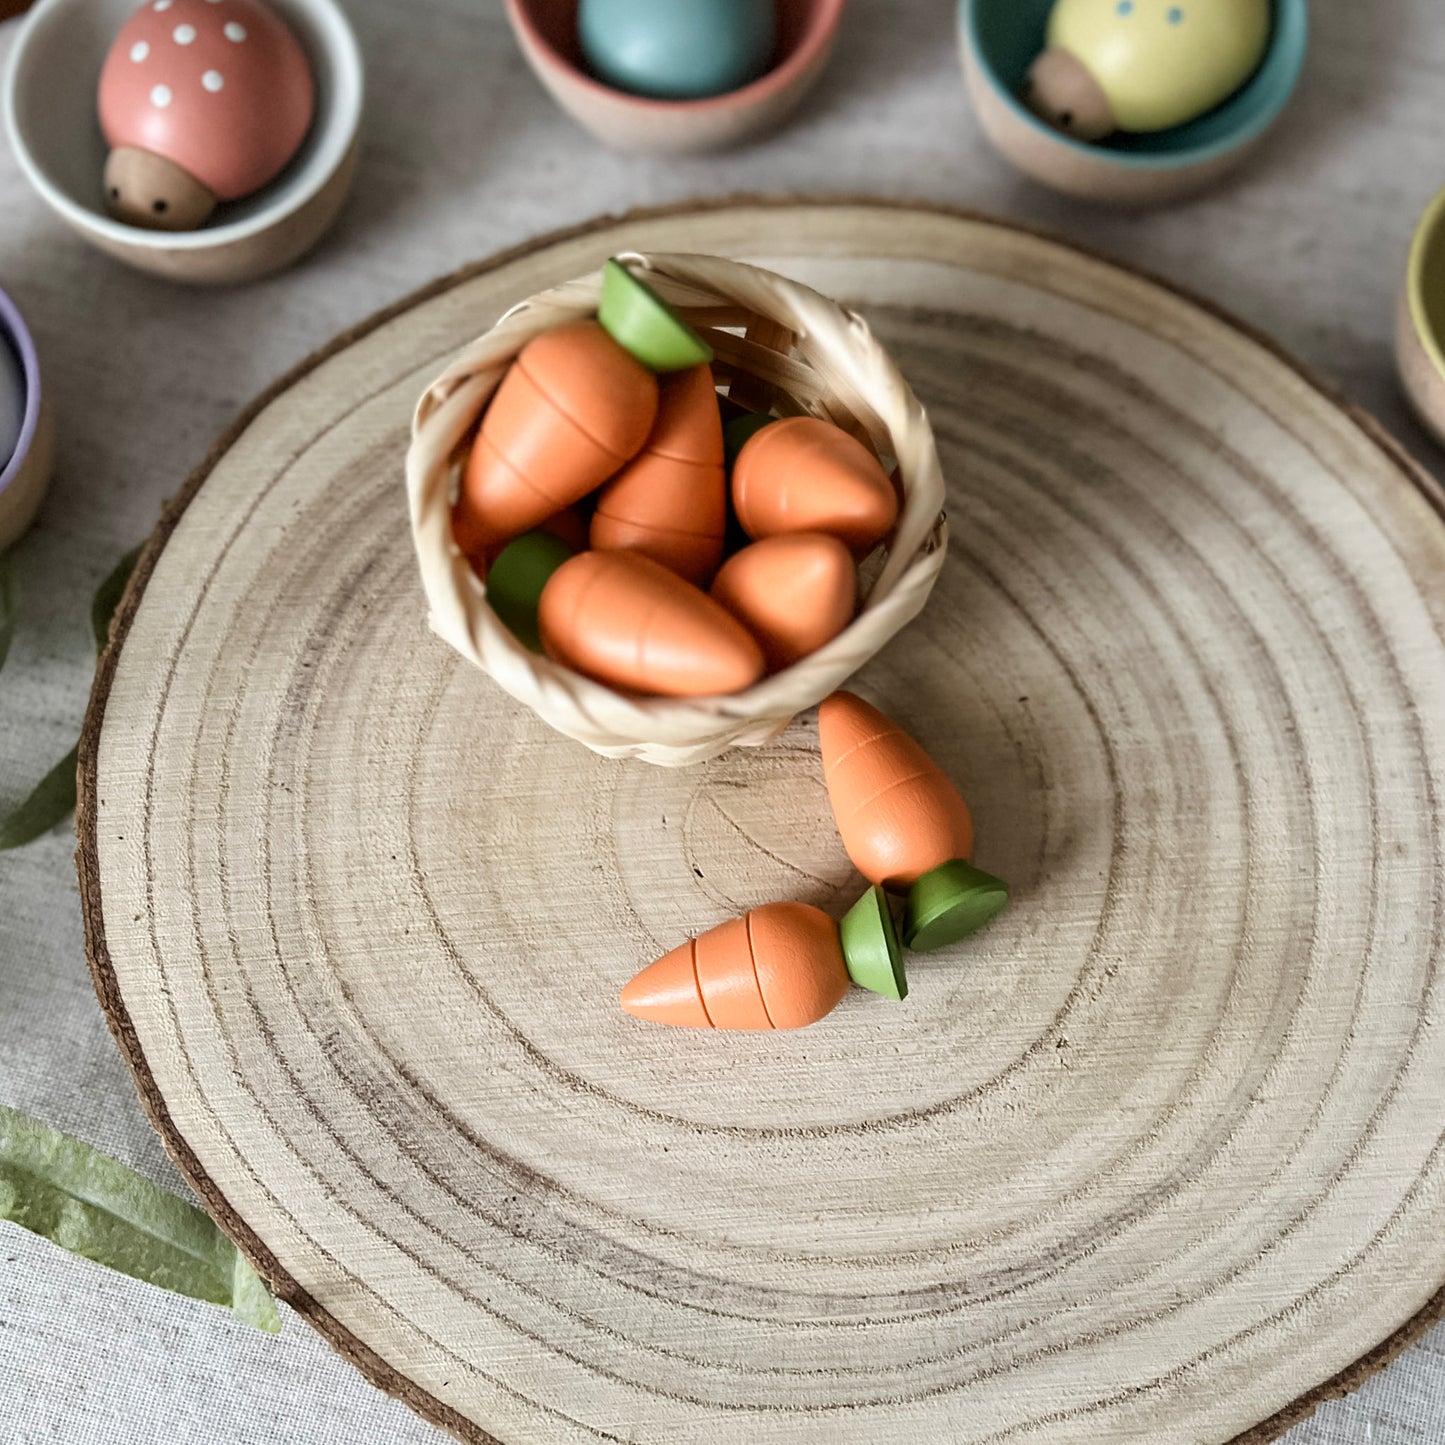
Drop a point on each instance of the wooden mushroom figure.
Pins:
(201, 101)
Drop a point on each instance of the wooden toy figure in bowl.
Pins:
(573, 494)
(1143, 65)
(207, 141)
(676, 76)
(200, 102)
(1130, 101)
(677, 49)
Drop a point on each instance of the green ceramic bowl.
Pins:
(1000, 40)
(1420, 320)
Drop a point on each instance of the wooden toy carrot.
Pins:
(903, 823)
(636, 317)
(572, 408)
(793, 592)
(625, 620)
(568, 526)
(781, 966)
(807, 475)
(670, 501)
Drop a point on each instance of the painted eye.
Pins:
(1175, 16)
(1125, 7)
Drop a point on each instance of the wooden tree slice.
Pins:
(1157, 1157)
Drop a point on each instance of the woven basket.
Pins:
(777, 343)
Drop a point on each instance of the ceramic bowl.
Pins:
(1000, 40)
(1420, 320)
(25, 474)
(50, 114)
(547, 32)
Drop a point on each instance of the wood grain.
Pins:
(1159, 1156)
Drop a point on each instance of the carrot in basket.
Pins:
(670, 501)
(804, 474)
(793, 592)
(626, 621)
(572, 408)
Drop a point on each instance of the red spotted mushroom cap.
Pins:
(221, 88)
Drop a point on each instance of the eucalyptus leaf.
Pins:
(92, 1205)
(52, 802)
(107, 597)
(54, 796)
(8, 609)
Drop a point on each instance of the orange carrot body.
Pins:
(627, 621)
(778, 967)
(807, 475)
(572, 408)
(569, 526)
(793, 592)
(898, 813)
(670, 502)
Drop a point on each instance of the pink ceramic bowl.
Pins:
(547, 32)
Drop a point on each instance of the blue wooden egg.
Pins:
(676, 49)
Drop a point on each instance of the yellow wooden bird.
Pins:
(1143, 65)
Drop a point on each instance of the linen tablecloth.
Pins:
(464, 154)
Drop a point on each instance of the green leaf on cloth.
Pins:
(8, 608)
(107, 597)
(94, 1206)
(53, 798)
(52, 801)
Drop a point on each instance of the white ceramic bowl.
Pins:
(50, 115)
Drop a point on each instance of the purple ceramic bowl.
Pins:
(27, 470)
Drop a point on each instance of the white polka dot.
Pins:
(161, 96)
(183, 34)
(213, 80)
(162, 5)
(234, 31)
(139, 51)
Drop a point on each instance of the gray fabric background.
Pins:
(465, 154)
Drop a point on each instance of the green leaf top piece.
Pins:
(738, 432)
(637, 318)
(53, 797)
(870, 946)
(950, 902)
(92, 1205)
(516, 579)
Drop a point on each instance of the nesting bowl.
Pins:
(999, 40)
(25, 474)
(50, 114)
(1420, 320)
(546, 31)
(811, 357)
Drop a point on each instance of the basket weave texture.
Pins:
(781, 343)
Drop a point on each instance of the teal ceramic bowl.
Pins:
(1000, 40)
